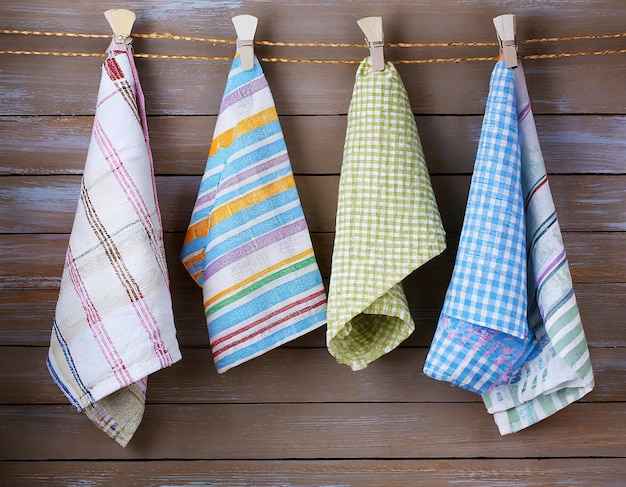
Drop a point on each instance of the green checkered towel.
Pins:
(388, 223)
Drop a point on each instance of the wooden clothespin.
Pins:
(245, 26)
(121, 21)
(505, 27)
(372, 27)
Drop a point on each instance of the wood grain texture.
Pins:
(294, 417)
(442, 88)
(58, 145)
(405, 20)
(557, 86)
(597, 472)
(31, 267)
(46, 204)
(287, 375)
(36, 261)
(28, 315)
(313, 431)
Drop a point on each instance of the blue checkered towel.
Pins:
(482, 337)
(558, 371)
(510, 328)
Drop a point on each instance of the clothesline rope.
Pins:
(320, 61)
(170, 36)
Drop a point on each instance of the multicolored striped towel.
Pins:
(510, 328)
(114, 323)
(388, 223)
(248, 243)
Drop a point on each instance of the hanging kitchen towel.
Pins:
(559, 370)
(248, 244)
(114, 323)
(388, 223)
(482, 337)
(510, 327)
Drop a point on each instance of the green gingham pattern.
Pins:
(388, 223)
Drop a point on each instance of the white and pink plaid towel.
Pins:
(114, 323)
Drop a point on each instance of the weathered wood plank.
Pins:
(287, 375)
(36, 260)
(596, 472)
(29, 314)
(296, 402)
(312, 431)
(187, 87)
(46, 204)
(436, 23)
(457, 20)
(572, 85)
(58, 145)
(32, 265)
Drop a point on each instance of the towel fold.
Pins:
(248, 244)
(510, 328)
(114, 323)
(388, 223)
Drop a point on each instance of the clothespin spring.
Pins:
(123, 39)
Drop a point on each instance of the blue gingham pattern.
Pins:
(482, 335)
(475, 357)
(488, 286)
(559, 370)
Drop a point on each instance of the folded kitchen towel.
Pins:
(510, 327)
(388, 223)
(559, 371)
(482, 337)
(114, 323)
(248, 244)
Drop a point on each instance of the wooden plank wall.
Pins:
(294, 417)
